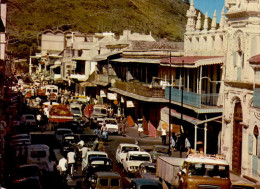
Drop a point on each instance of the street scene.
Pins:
(83, 106)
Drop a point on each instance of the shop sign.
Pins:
(130, 104)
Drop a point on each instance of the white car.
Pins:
(134, 159)
(122, 150)
(91, 154)
(112, 126)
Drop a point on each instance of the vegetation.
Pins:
(27, 18)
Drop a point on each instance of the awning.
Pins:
(102, 93)
(87, 84)
(187, 118)
(112, 96)
(55, 66)
(192, 61)
(135, 60)
(130, 104)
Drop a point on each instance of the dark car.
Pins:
(147, 170)
(97, 164)
(24, 173)
(75, 126)
(27, 183)
(144, 183)
(68, 141)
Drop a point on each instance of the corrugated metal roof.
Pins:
(141, 60)
(192, 61)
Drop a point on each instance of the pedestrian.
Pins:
(71, 156)
(173, 141)
(163, 136)
(140, 127)
(187, 146)
(62, 166)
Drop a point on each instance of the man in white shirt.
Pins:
(62, 166)
(84, 151)
(71, 160)
(163, 136)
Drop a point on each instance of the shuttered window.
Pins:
(257, 76)
(250, 144)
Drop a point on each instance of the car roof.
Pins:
(100, 158)
(145, 181)
(137, 152)
(128, 144)
(108, 174)
(95, 152)
(37, 146)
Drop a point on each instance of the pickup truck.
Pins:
(133, 160)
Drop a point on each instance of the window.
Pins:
(257, 76)
(38, 154)
(114, 182)
(103, 182)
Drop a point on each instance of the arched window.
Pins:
(256, 134)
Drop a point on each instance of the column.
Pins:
(205, 138)
(195, 138)
(30, 66)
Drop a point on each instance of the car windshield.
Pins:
(62, 132)
(208, 170)
(38, 154)
(141, 157)
(126, 149)
(96, 155)
(29, 117)
(75, 110)
(25, 172)
(111, 122)
(150, 169)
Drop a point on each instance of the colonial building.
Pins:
(241, 116)
(236, 47)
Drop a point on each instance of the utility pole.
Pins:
(170, 94)
(182, 83)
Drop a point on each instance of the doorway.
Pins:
(237, 139)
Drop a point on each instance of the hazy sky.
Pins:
(210, 6)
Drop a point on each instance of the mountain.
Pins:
(26, 18)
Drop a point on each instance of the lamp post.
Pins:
(170, 93)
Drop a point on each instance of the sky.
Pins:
(210, 6)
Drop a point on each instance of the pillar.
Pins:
(195, 138)
(205, 138)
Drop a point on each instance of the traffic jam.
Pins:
(55, 139)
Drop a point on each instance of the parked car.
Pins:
(112, 126)
(91, 154)
(147, 170)
(159, 150)
(20, 139)
(39, 154)
(68, 141)
(122, 150)
(134, 159)
(27, 183)
(23, 172)
(60, 132)
(97, 164)
(75, 126)
(145, 183)
(28, 122)
(102, 180)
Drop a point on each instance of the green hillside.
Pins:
(26, 18)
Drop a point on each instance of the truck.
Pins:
(195, 171)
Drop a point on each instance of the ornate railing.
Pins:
(194, 99)
(141, 89)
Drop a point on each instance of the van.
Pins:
(76, 109)
(39, 154)
(206, 172)
(106, 180)
(50, 89)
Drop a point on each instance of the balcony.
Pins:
(256, 101)
(145, 90)
(194, 99)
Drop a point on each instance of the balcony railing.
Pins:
(256, 101)
(194, 99)
(141, 89)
